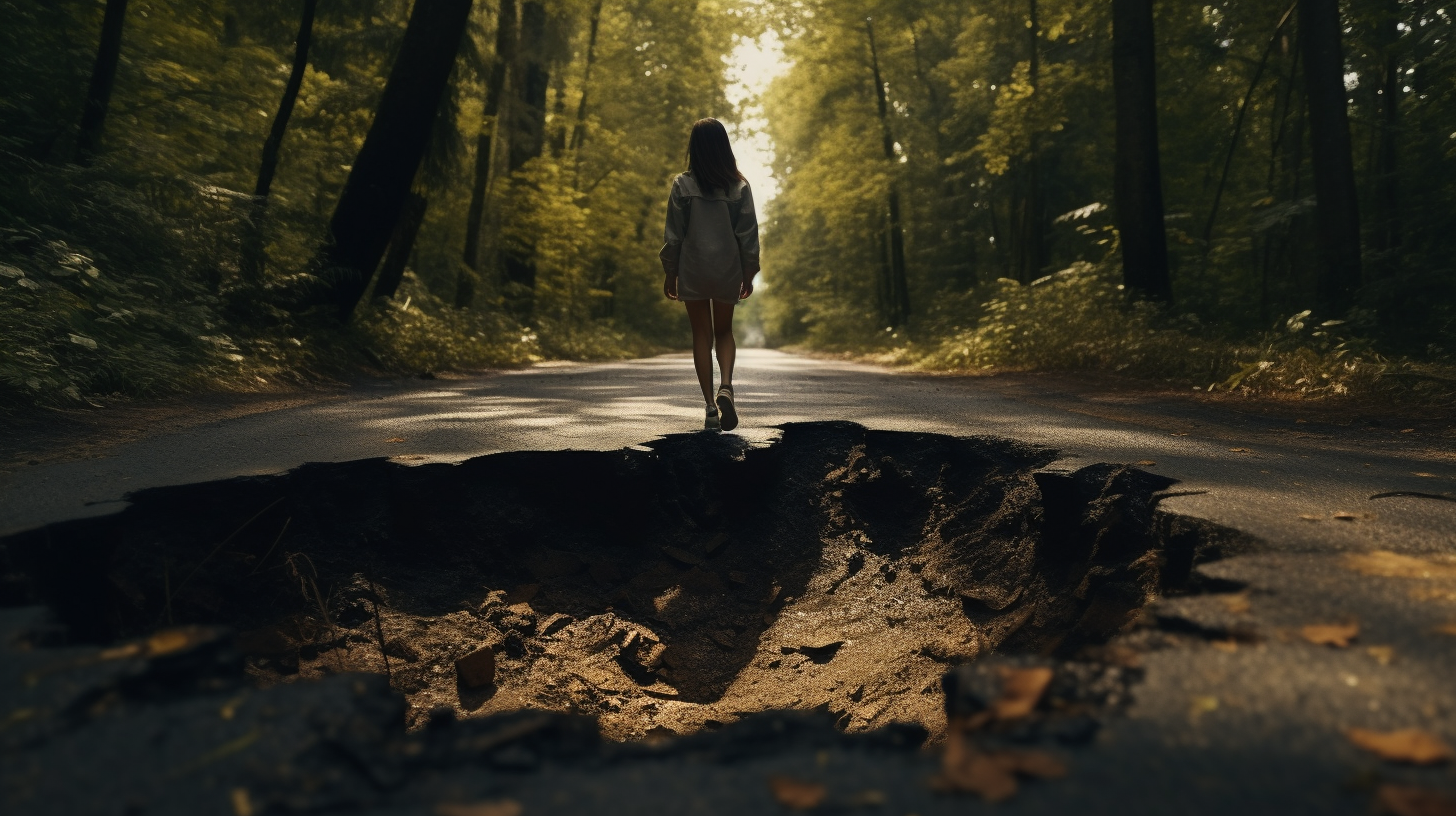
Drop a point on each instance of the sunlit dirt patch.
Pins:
(665, 589)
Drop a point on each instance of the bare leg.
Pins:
(723, 339)
(700, 315)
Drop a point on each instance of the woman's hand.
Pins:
(746, 289)
(669, 287)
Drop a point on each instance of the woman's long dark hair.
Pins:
(710, 156)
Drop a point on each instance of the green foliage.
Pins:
(1079, 319)
(417, 332)
(102, 291)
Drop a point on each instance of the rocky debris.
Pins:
(477, 669)
(553, 624)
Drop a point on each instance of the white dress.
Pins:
(711, 240)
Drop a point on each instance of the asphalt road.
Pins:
(1246, 471)
(1236, 710)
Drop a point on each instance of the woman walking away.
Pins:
(711, 258)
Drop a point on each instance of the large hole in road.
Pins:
(678, 585)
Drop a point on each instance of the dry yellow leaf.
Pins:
(1410, 745)
(796, 794)
(1401, 800)
(499, 807)
(1147, 463)
(1237, 604)
(1382, 654)
(991, 774)
(1021, 690)
(1423, 474)
(1239, 450)
(1394, 565)
(1331, 634)
(1308, 517)
(1344, 515)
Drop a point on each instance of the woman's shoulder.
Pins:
(685, 185)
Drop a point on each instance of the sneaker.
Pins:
(725, 407)
(712, 423)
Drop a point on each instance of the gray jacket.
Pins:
(711, 239)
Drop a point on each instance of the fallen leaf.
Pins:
(1401, 800)
(1424, 475)
(1308, 517)
(395, 441)
(1147, 463)
(1394, 565)
(1344, 515)
(795, 794)
(1382, 654)
(1407, 430)
(1200, 706)
(1411, 745)
(1237, 604)
(1021, 690)
(1239, 450)
(1331, 634)
(867, 798)
(966, 768)
(499, 807)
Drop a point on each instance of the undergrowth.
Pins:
(1080, 319)
(115, 286)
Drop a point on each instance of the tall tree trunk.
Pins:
(385, 168)
(558, 113)
(531, 81)
(103, 79)
(1027, 228)
(506, 33)
(1228, 159)
(1337, 212)
(1138, 187)
(897, 289)
(253, 256)
(401, 245)
(1387, 191)
(578, 132)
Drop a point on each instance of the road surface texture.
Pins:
(1223, 698)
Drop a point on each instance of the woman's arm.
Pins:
(746, 230)
(674, 233)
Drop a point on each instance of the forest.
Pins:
(1247, 195)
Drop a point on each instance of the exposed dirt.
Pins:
(663, 589)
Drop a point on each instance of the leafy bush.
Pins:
(418, 332)
(1080, 319)
(101, 292)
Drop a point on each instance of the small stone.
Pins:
(724, 639)
(476, 669)
(554, 624)
(682, 556)
(402, 649)
(522, 594)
